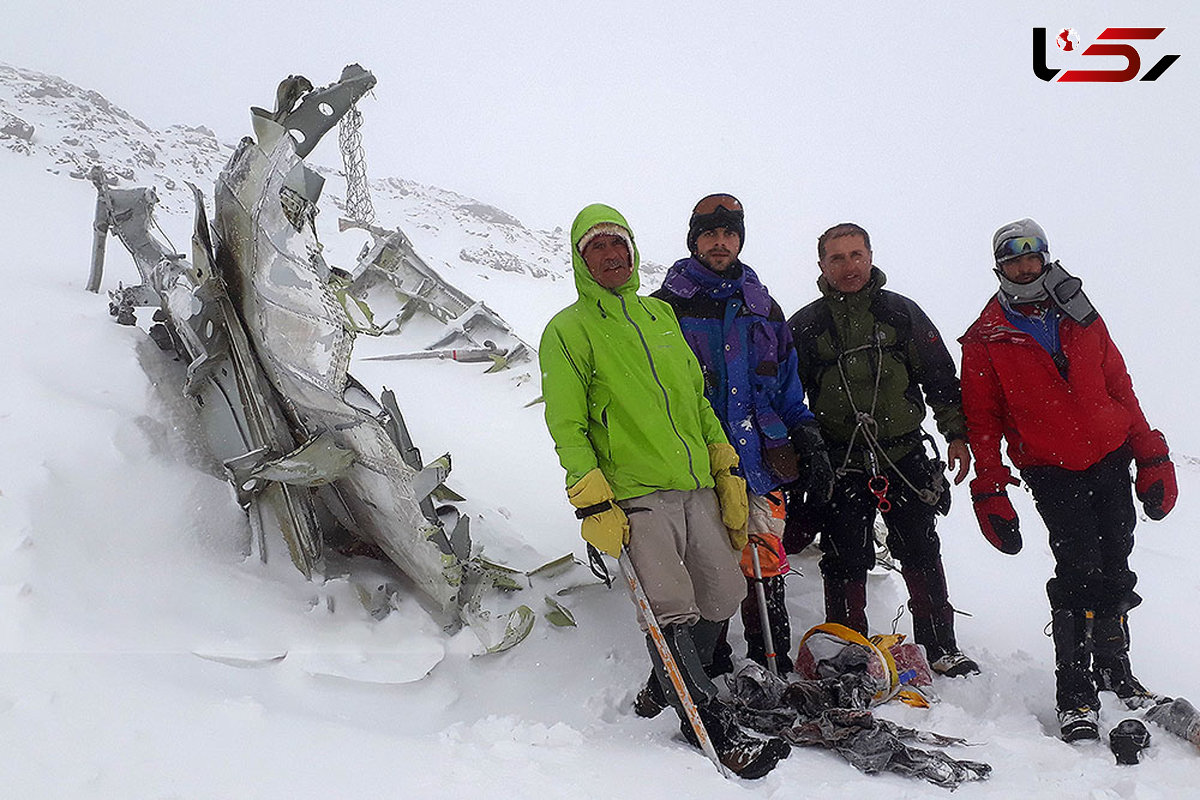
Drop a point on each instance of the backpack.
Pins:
(894, 668)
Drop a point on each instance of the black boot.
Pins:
(933, 621)
(1076, 700)
(745, 755)
(691, 669)
(712, 651)
(650, 700)
(687, 660)
(1110, 663)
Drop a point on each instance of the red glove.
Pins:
(996, 515)
(998, 521)
(1155, 483)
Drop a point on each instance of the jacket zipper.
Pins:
(663, 389)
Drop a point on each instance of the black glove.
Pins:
(802, 523)
(816, 481)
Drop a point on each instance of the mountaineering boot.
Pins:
(687, 660)
(1128, 740)
(650, 700)
(1075, 693)
(706, 640)
(1110, 664)
(954, 665)
(1078, 724)
(743, 754)
(933, 621)
(846, 602)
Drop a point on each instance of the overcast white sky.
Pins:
(923, 121)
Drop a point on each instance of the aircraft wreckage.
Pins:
(266, 328)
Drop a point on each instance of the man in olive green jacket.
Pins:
(870, 360)
(648, 465)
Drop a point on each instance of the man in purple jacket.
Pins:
(744, 346)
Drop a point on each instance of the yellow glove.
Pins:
(739, 538)
(731, 491)
(605, 525)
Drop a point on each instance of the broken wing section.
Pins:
(472, 332)
(245, 427)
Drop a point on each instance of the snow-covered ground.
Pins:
(142, 656)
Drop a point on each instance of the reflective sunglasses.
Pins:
(1013, 248)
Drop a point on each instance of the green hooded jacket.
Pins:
(893, 360)
(623, 389)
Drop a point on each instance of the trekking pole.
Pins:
(669, 662)
(763, 614)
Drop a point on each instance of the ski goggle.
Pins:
(710, 204)
(1015, 248)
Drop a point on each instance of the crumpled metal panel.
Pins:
(267, 348)
(283, 294)
(300, 335)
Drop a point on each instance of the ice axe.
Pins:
(669, 663)
(761, 592)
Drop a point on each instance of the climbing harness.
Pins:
(866, 424)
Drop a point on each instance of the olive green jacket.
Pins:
(892, 361)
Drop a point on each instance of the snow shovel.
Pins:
(761, 592)
(672, 667)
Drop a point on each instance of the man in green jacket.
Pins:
(870, 360)
(648, 465)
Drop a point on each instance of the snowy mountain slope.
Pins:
(120, 559)
(68, 130)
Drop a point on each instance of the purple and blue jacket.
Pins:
(745, 350)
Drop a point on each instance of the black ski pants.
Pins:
(1090, 516)
(847, 522)
(848, 551)
(777, 618)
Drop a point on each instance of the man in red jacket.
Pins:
(1040, 370)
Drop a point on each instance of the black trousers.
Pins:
(1090, 516)
(847, 522)
(777, 618)
(847, 544)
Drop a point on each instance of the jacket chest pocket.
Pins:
(764, 350)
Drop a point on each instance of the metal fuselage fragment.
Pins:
(268, 348)
(280, 284)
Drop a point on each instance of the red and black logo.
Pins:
(1113, 42)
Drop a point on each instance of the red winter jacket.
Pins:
(1011, 388)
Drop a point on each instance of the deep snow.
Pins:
(125, 603)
